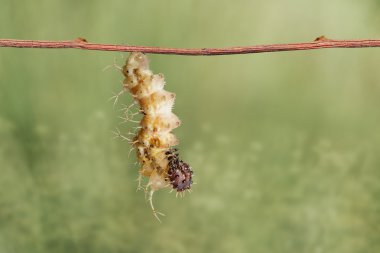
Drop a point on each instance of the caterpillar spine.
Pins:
(154, 142)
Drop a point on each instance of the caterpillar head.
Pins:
(179, 173)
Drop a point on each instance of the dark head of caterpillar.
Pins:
(179, 173)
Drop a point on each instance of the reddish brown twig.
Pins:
(80, 43)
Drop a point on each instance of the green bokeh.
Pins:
(285, 146)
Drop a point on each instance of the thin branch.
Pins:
(319, 43)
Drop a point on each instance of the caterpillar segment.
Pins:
(154, 142)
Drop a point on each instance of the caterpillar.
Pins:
(154, 142)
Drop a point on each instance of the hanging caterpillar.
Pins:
(154, 142)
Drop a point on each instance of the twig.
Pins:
(319, 43)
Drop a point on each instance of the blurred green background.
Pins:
(285, 146)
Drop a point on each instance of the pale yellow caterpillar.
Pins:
(154, 142)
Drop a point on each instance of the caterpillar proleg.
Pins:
(154, 142)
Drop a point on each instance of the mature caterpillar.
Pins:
(154, 142)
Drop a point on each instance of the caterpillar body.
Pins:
(154, 142)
